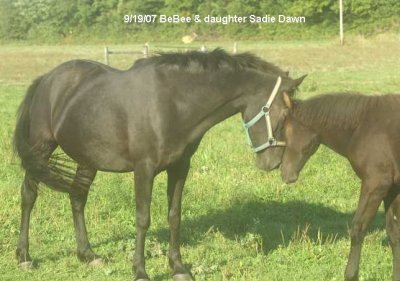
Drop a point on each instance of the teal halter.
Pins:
(272, 142)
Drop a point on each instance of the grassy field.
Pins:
(239, 223)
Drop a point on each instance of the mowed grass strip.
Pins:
(239, 223)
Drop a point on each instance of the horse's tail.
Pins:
(34, 158)
(21, 133)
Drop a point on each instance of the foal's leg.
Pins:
(28, 198)
(176, 179)
(392, 209)
(372, 194)
(144, 177)
(78, 197)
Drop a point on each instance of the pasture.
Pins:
(239, 223)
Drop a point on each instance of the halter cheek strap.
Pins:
(264, 112)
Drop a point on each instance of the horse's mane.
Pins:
(340, 110)
(212, 61)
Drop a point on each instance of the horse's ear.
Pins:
(298, 81)
(291, 85)
(287, 100)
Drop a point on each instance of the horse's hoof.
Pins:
(142, 279)
(182, 277)
(97, 262)
(26, 265)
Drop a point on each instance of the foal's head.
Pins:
(301, 143)
(264, 118)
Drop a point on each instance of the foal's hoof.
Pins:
(182, 277)
(26, 265)
(97, 262)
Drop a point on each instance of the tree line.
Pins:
(91, 20)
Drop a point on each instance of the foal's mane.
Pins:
(212, 61)
(340, 110)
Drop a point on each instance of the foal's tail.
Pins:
(35, 158)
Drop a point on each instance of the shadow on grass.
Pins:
(276, 222)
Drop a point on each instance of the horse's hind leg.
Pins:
(392, 210)
(372, 194)
(78, 197)
(28, 198)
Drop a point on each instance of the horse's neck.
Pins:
(214, 92)
(336, 139)
(220, 102)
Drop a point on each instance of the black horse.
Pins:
(147, 119)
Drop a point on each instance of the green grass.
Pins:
(239, 223)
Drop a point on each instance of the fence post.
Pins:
(235, 48)
(341, 22)
(146, 50)
(106, 55)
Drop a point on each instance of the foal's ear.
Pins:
(287, 100)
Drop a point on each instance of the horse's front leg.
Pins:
(176, 180)
(144, 177)
(78, 197)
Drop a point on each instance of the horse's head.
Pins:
(264, 117)
(301, 143)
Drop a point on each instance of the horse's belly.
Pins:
(103, 160)
(99, 152)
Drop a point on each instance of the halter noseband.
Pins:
(272, 142)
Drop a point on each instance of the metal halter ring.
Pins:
(265, 109)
